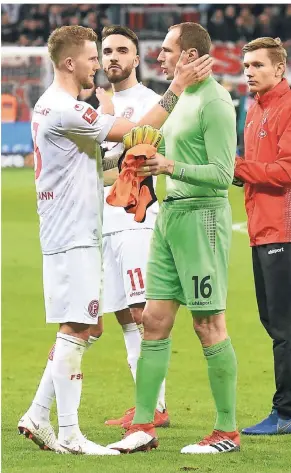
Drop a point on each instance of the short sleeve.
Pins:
(82, 120)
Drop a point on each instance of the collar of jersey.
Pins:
(130, 89)
(277, 91)
(195, 87)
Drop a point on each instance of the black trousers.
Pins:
(272, 273)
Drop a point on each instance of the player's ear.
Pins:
(193, 54)
(69, 63)
(280, 69)
(136, 61)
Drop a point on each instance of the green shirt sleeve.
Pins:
(218, 123)
(162, 147)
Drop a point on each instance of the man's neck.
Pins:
(67, 83)
(261, 94)
(125, 84)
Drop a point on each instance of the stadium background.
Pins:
(108, 388)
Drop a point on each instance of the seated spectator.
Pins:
(29, 28)
(230, 18)
(73, 20)
(23, 40)
(8, 30)
(217, 27)
(246, 24)
(55, 16)
(84, 9)
(284, 27)
(264, 26)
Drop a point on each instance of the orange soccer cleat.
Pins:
(161, 419)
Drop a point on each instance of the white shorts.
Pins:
(72, 282)
(125, 256)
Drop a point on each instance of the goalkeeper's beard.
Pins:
(120, 76)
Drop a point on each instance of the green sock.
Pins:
(152, 368)
(222, 373)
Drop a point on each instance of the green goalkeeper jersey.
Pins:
(200, 136)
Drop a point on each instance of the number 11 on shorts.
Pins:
(131, 274)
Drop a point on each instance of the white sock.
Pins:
(161, 405)
(67, 379)
(132, 340)
(45, 394)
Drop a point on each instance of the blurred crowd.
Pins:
(30, 25)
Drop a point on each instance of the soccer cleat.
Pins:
(217, 442)
(129, 413)
(161, 419)
(138, 438)
(272, 425)
(83, 446)
(41, 433)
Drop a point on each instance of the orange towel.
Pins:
(135, 194)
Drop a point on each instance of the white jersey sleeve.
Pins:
(83, 122)
(132, 104)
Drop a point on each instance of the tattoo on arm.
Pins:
(110, 163)
(168, 101)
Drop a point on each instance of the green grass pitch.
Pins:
(108, 388)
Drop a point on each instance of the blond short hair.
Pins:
(276, 51)
(65, 38)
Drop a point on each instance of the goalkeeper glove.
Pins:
(145, 134)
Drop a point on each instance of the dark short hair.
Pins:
(193, 35)
(122, 30)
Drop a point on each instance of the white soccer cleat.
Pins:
(217, 442)
(83, 446)
(41, 433)
(138, 438)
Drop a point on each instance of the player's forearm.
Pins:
(208, 175)
(110, 163)
(277, 174)
(160, 112)
(110, 176)
(155, 117)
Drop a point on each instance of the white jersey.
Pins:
(69, 182)
(133, 104)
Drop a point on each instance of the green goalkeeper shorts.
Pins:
(189, 254)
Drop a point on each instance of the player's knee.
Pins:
(210, 329)
(156, 325)
(97, 330)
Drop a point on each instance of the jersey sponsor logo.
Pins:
(276, 250)
(182, 173)
(90, 115)
(45, 195)
(41, 110)
(79, 107)
(128, 112)
(201, 303)
(93, 308)
(136, 293)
